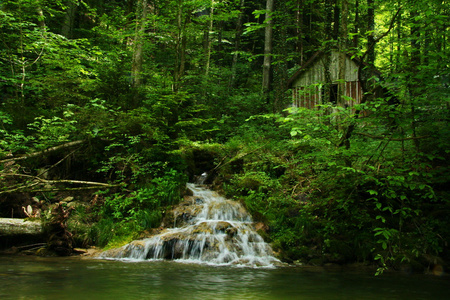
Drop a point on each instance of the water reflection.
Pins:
(68, 278)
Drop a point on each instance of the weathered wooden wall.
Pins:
(307, 87)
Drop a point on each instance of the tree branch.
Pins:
(392, 139)
(391, 25)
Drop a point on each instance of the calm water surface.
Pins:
(72, 278)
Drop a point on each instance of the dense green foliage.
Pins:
(120, 103)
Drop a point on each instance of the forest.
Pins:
(108, 109)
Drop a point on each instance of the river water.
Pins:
(75, 278)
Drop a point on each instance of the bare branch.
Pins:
(392, 139)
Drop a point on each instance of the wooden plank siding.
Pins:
(307, 97)
(311, 96)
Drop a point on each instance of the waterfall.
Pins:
(207, 229)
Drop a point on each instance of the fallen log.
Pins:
(14, 227)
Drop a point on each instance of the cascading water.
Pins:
(211, 229)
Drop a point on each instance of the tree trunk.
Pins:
(355, 41)
(371, 36)
(336, 17)
(299, 28)
(67, 27)
(237, 45)
(181, 42)
(415, 53)
(136, 67)
(41, 18)
(342, 51)
(268, 37)
(208, 40)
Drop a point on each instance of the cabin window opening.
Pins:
(332, 96)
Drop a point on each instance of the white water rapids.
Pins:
(212, 230)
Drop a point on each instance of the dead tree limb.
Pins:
(392, 139)
(39, 153)
(34, 180)
(60, 161)
(236, 157)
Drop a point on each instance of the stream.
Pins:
(74, 278)
(210, 251)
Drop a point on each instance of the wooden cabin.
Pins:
(309, 82)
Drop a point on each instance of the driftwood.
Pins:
(13, 227)
(60, 240)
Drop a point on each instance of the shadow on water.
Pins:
(71, 278)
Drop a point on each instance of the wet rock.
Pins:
(202, 228)
(222, 226)
(182, 214)
(67, 199)
(114, 253)
(188, 192)
(231, 232)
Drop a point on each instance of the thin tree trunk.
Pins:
(181, 42)
(299, 20)
(208, 40)
(268, 48)
(371, 36)
(356, 27)
(336, 17)
(136, 67)
(342, 51)
(67, 27)
(41, 18)
(415, 61)
(237, 44)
